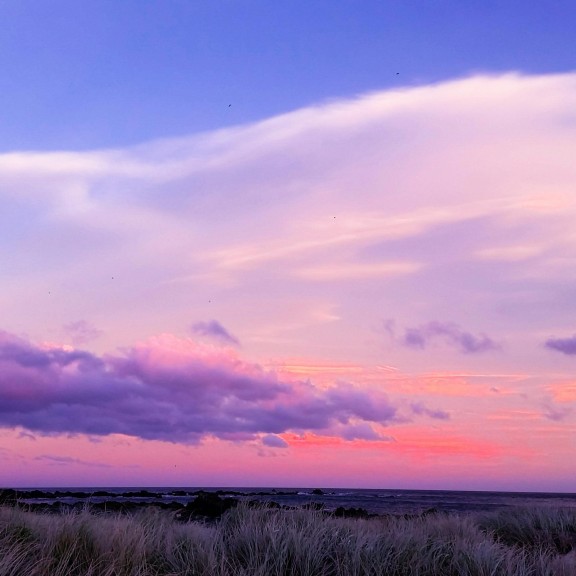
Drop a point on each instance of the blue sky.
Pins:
(288, 243)
(91, 74)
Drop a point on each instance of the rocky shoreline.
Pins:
(204, 506)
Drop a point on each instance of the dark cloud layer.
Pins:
(565, 345)
(422, 336)
(173, 390)
(215, 330)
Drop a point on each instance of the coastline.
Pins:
(372, 501)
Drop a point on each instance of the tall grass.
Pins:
(265, 542)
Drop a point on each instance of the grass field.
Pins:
(264, 542)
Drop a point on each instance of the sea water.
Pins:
(374, 501)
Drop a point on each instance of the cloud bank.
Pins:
(171, 389)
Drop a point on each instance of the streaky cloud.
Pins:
(66, 461)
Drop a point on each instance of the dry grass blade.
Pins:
(264, 542)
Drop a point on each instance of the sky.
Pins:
(279, 244)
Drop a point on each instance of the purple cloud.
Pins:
(415, 338)
(421, 410)
(565, 345)
(169, 389)
(364, 431)
(274, 441)
(215, 330)
(452, 334)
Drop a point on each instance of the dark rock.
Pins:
(115, 507)
(207, 505)
(263, 504)
(227, 493)
(272, 493)
(70, 494)
(318, 492)
(34, 494)
(169, 505)
(342, 512)
(313, 506)
(8, 497)
(424, 513)
(141, 494)
(53, 508)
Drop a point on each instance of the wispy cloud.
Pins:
(452, 202)
(358, 271)
(261, 217)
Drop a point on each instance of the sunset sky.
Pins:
(308, 243)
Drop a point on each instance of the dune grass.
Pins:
(265, 542)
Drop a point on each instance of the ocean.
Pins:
(374, 501)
